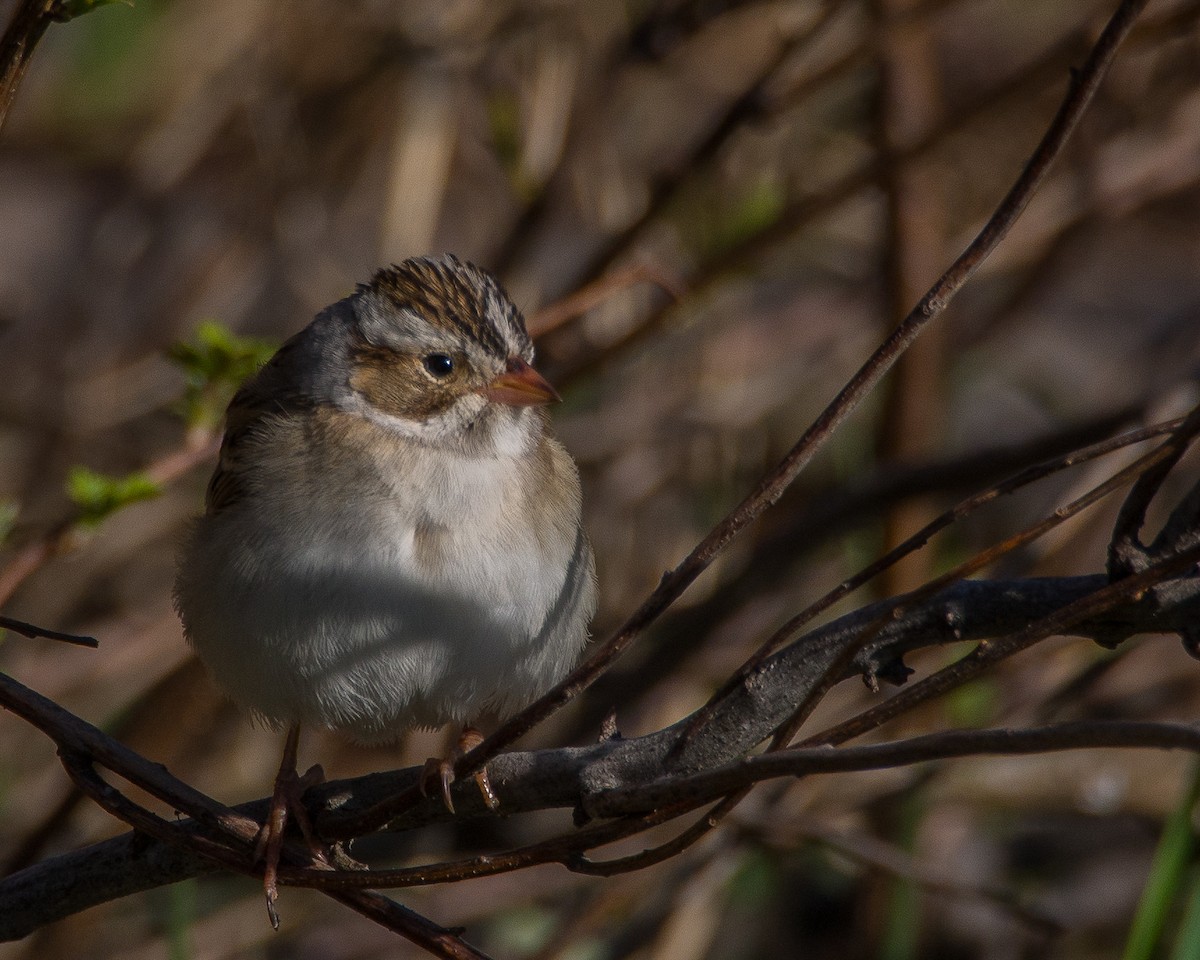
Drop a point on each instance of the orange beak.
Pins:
(520, 386)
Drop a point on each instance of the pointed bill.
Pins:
(520, 386)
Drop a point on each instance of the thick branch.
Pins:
(1079, 735)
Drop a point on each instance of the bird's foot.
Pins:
(438, 773)
(287, 801)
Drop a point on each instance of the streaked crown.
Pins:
(455, 297)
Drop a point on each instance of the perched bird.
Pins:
(392, 537)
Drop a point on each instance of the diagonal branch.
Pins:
(33, 632)
(1083, 86)
(16, 47)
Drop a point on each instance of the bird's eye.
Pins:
(439, 365)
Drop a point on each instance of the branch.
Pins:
(1079, 735)
(31, 631)
(578, 777)
(217, 836)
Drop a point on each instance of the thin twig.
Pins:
(31, 631)
(664, 851)
(837, 668)
(566, 850)
(980, 561)
(588, 297)
(801, 528)
(162, 471)
(1126, 553)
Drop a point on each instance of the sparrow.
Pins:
(392, 537)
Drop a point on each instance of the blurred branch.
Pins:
(908, 103)
(741, 111)
(23, 33)
(578, 359)
(592, 294)
(665, 187)
(28, 559)
(899, 863)
(16, 46)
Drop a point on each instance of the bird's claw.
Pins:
(438, 773)
(287, 800)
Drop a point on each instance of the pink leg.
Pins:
(286, 799)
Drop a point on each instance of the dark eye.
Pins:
(438, 364)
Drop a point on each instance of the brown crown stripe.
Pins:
(451, 295)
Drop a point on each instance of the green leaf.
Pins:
(902, 913)
(1166, 874)
(1187, 940)
(216, 362)
(504, 124)
(755, 882)
(97, 495)
(716, 219)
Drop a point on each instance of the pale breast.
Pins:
(370, 589)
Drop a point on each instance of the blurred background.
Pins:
(710, 211)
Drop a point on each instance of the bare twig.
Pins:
(803, 524)
(836, 669)
(31, 631)
(164, 470)
(597, 291)
(1126, 553)
(980, 561)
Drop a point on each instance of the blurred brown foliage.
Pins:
(803, 171)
